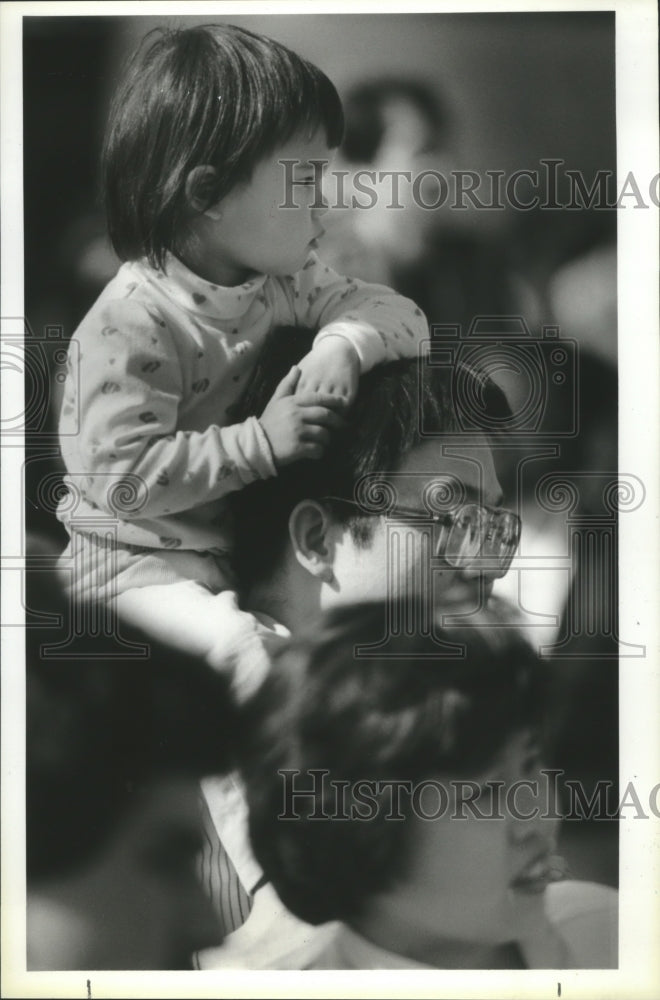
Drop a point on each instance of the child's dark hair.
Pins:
(216, 95)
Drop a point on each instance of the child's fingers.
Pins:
(322, 416)
(321, 399)
(306, 384)
(317, 435)
(287, 386)
(310, 449)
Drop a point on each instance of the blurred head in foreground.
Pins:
(377, 779)
(115, 747)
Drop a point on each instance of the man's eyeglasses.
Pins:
(470, 532)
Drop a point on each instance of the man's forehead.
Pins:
(465, 470)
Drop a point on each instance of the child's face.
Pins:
(269, 224)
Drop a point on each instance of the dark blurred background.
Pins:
(509, 89)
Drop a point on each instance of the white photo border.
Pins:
(639, 446)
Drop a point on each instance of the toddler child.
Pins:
(211, 166)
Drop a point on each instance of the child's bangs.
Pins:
(322, 107)
(300, 99)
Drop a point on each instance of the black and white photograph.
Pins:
(329, 444)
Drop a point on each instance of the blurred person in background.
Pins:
(583, 297)
(585, 741)
(569, 259)
(568, 597)
(415, 877)
(391, 124)
(438, 255)
(115, 748)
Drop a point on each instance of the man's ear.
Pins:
(199, 187)
(311, 539)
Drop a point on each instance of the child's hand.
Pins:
(331, 367)
(299, 425)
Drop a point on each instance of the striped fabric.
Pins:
(219, 878)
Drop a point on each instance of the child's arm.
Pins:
(378, 323)
(130, 391)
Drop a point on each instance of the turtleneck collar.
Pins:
(200, 296)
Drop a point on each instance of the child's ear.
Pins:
(199, 191)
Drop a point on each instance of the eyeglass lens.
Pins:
(476, 531)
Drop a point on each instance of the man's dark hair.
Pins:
(101, 729)
(399, 406)
(216, 95)
(372, 718)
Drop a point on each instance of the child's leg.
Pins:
(98, 568)
(179, 597)
(190, 616)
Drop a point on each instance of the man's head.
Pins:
(115, 748)
(356, 767)
(358, 523)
